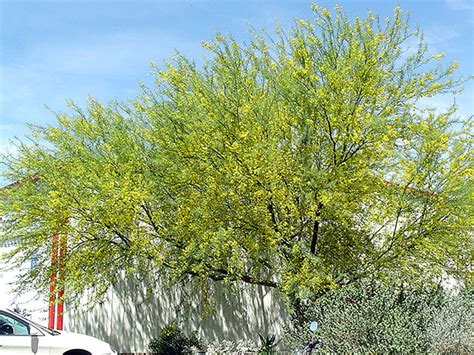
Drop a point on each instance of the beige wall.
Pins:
(133, 313)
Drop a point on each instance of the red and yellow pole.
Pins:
(56, 288)
(52, 283)
(62, 256)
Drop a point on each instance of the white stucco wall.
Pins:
(133, 313)
(33, 304)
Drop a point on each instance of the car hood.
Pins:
(81, 341)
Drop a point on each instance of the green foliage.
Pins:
(172, 341)
(268, 344)
(301, 162)
(230, 347)
(378, 318)
(452, 330)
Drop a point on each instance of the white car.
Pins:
(20, 336)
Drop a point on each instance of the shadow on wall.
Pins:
(133, 312)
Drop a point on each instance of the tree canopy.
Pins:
(303, 160)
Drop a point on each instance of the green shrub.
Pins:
(172, 341)
(268, 344)
(231, 347)
(452, 329)
(369, 317)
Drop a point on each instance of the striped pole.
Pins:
(60, 310)
(52, 283)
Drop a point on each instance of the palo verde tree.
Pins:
(300, 161)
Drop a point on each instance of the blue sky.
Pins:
(68, 49)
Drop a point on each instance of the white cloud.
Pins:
(441, 103)
(104, 66)
(7, 148)
(111, 54)
(439, 34)
(460, 4)
(436, 37)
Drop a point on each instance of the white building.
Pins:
(133, 312)
(30, 304)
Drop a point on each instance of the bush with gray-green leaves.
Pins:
(452, 330)
(375, 317)
(230, 347)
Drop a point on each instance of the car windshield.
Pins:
(36, 325)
